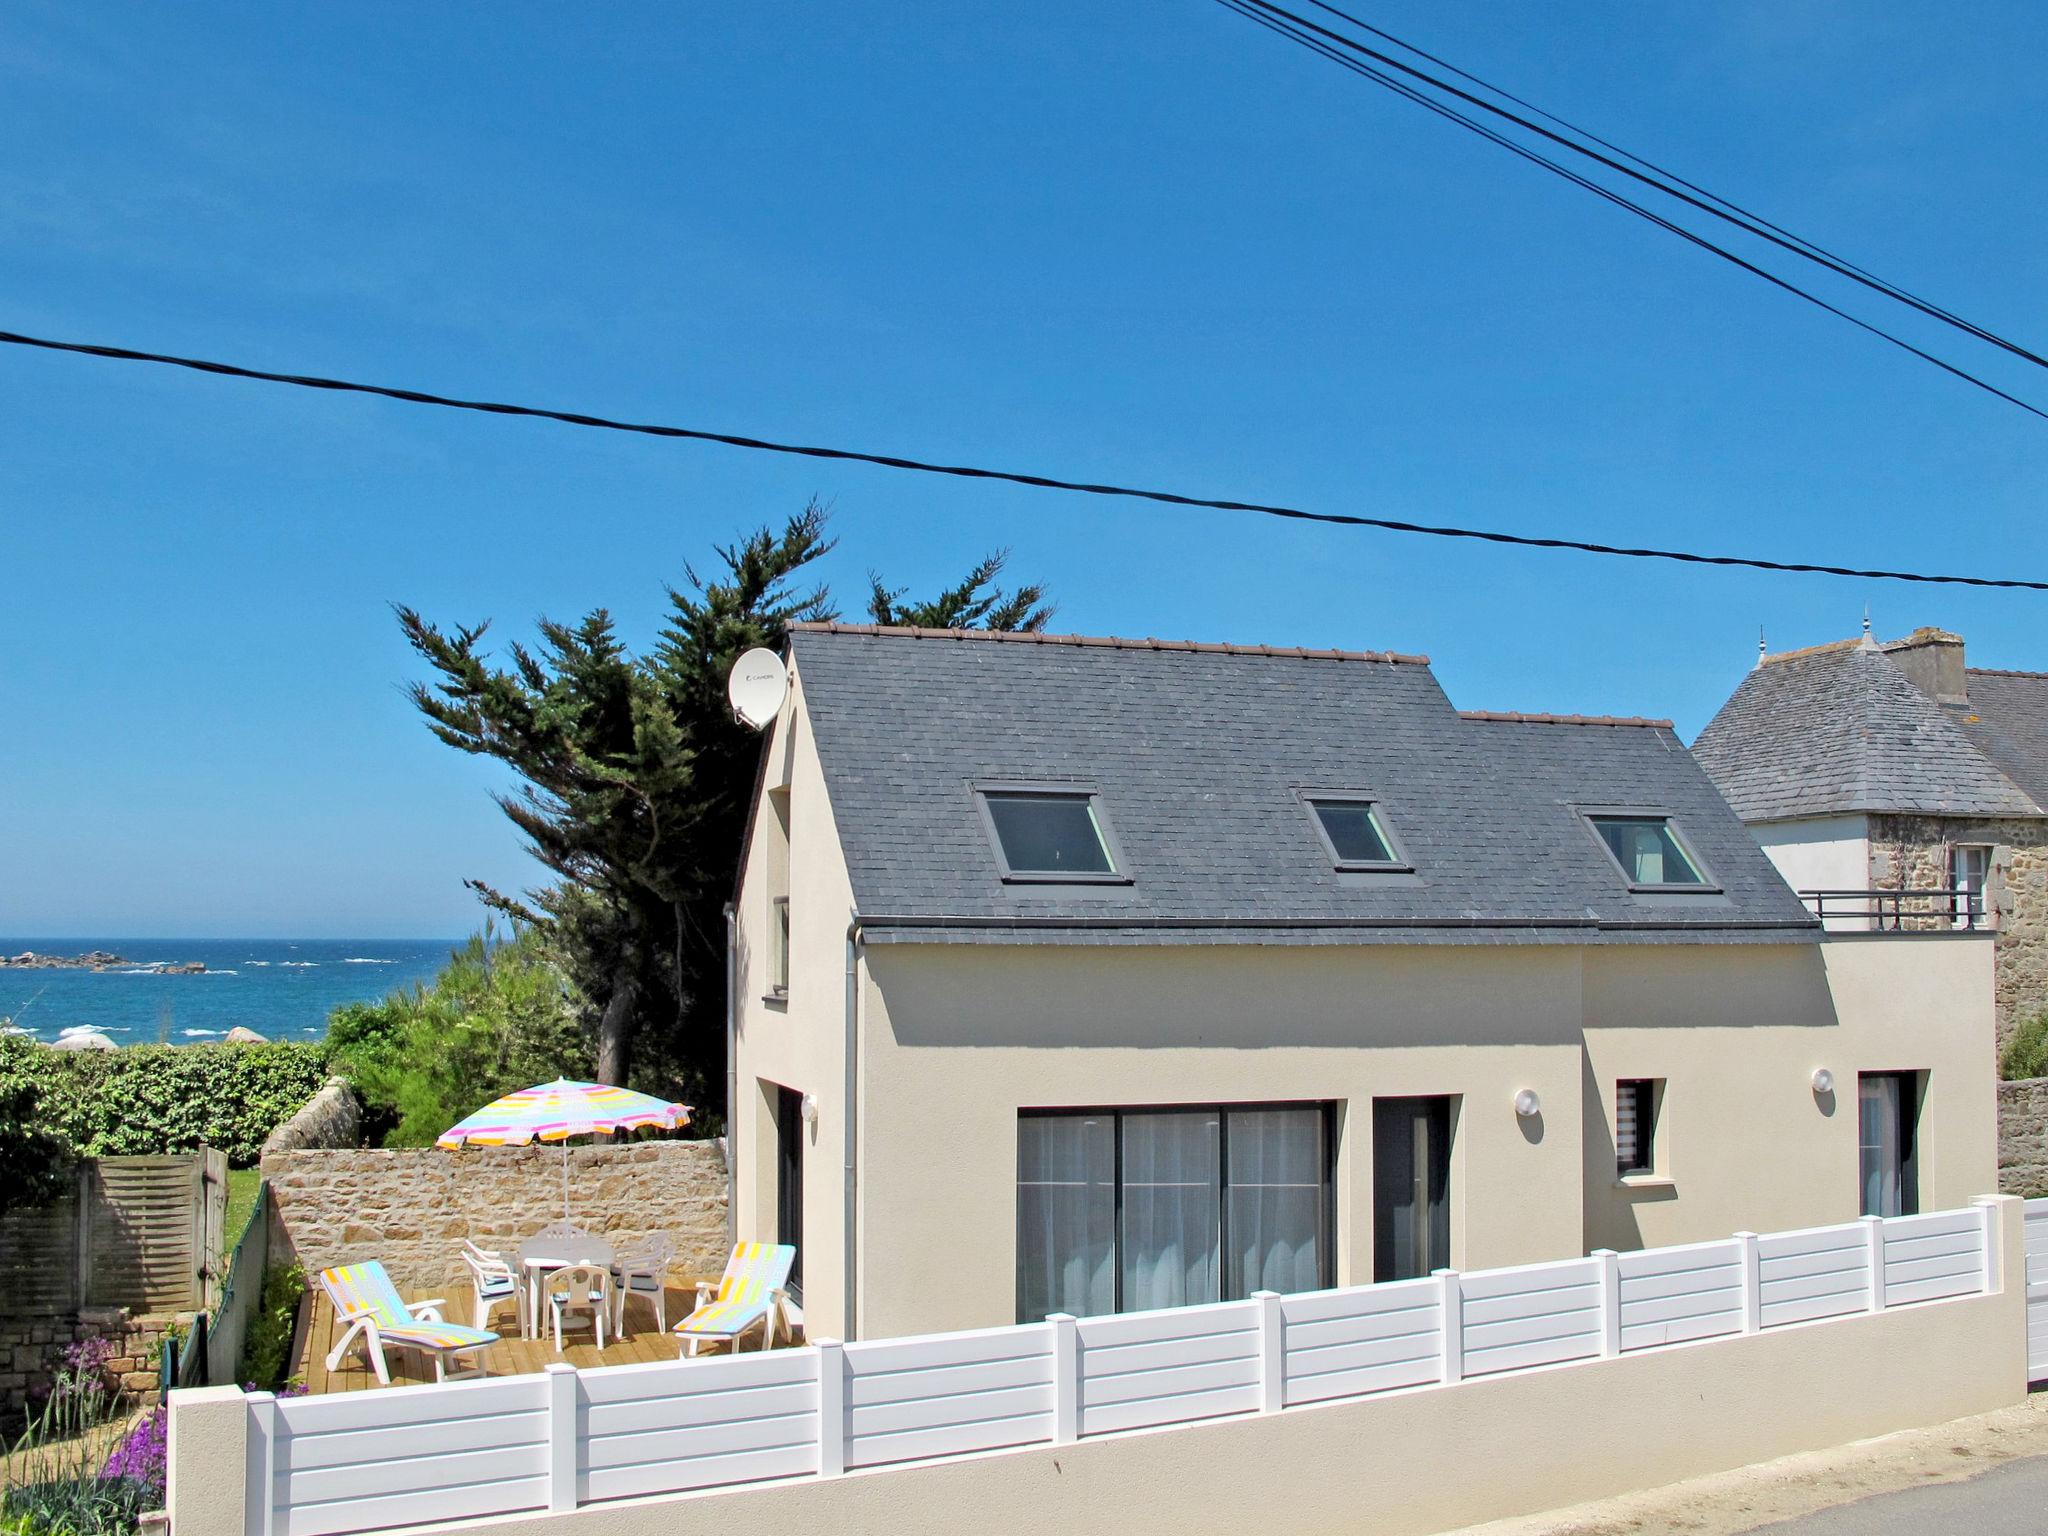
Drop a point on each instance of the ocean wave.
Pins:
(226, 970)
(94, 1029)
(360, 960)
(198, 1032)
(299, 965)
(255, 962)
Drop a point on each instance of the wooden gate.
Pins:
(138, 1232)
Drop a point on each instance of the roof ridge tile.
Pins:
(1114, 642)
(1517, 717)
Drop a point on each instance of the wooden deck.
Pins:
(510, 1356)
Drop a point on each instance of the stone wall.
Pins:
(1911, 852)
(333, 1117)
(412, 1208)
(2023, 1137)
(31, 1350)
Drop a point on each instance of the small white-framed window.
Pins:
(1969, 872)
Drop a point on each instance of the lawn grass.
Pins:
(242, 1186)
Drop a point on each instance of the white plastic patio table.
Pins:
(539, 1255)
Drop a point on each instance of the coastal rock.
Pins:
(241, 1034)
(92, 960)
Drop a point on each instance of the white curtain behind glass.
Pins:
(1276, 1199)
(1066, 1215)
(1879, 1116)
(1171, 1240)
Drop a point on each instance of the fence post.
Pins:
(1272, 1352)
(1610, 1301)
(1988, 1208)
(561, 1388)
(1873, 1237)
(1065, 1333)
(219, 1480)
(1451, 1311)
(1752, 1283)
(831, 1407)
(262, 1492)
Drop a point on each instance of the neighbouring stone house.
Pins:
(1868, 767)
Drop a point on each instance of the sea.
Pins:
(281, 988)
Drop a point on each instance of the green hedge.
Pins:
(153, 1099)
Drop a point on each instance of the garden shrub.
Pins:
(500, 1016)
(152, 1100)
(55, 1484)
(267, 1347)
(2026, 1053)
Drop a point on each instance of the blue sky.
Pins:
(1142, 241)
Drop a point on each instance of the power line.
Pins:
(1256, 10)
(1727, 212)
(972, 472)
(1309, 33)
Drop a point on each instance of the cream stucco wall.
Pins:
(956, 1039)
(1742, 1139)
(797, 1040)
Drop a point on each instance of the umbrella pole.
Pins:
(565, 1181)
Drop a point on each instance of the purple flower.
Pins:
(143, 1454)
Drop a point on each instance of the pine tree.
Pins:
(635, 780)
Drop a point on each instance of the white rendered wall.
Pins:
(1829, 853)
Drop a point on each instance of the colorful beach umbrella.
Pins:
(558, 1110)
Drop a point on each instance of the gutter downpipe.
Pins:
(850, 1101)
(732, 1068)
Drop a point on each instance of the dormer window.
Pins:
(1049, 832)
(1353, 832)
(1648, 850)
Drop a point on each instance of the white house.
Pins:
(1091, 975)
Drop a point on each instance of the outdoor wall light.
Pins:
(1823, 1080)
(809, 1110)
(1527, 1104)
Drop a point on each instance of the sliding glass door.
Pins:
(1124, 1210)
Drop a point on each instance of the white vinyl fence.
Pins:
(2037, 1289)
(323, 1466)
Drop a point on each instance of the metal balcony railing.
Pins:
(1914, 910)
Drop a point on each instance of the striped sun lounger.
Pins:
(750, 1292)
(365, 1299)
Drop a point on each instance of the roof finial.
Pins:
(1759, 645)
(1866, 643)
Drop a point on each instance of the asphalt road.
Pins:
(2011, 1500)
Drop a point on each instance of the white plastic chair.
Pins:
(494, 1282)
(643, 1273)
(579, 1288)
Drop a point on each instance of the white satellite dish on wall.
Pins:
(757, 687)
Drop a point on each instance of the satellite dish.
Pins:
(757, 687)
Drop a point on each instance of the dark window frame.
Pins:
(1090, 794)
(1398, 864)
(1326, 1235)
(1648, 1117)
(1590, 817)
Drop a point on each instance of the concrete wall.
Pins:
(412, 1208)
(1828, 853)
(1417, 1461)
(1908, 852)
(797, 1040)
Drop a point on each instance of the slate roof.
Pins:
(1198, 753)
(1840, 730)
(2007, 718)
